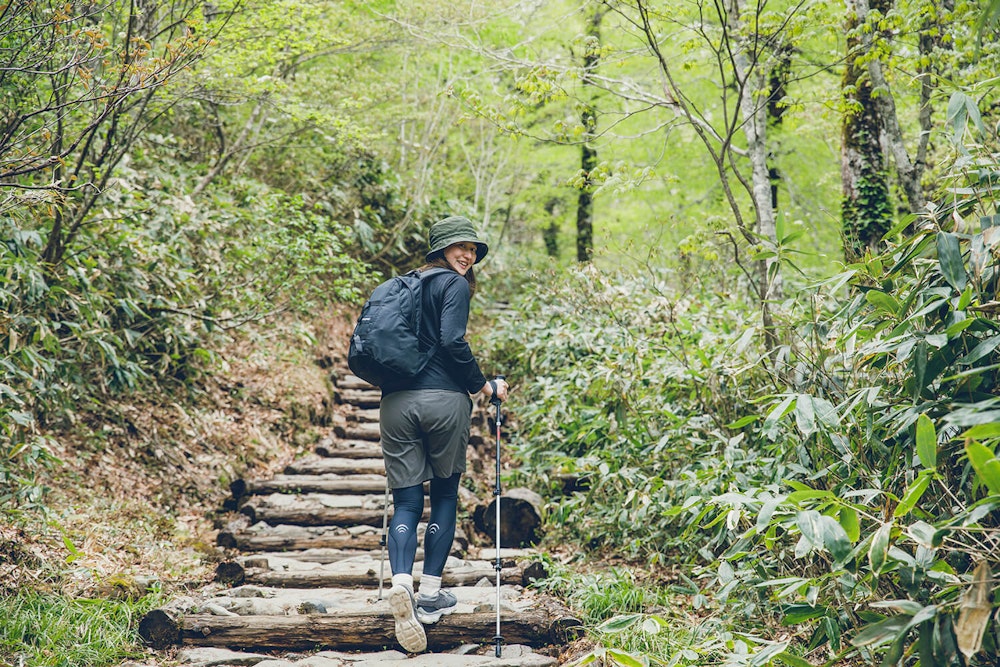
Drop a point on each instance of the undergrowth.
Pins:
(53, 630)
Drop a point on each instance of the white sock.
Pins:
(429, 586)
(403, 580)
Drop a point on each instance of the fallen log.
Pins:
(348, 631)
(352, 448)
(369, 432)
(349, 484)
(361, 398)
(520, 518)
(315, 465)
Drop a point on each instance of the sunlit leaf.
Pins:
(626, 659)
(985, 464)
(848, 518)
(619, 623)
(926, 442)
(913, 494)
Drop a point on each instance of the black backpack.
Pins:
(386, 343)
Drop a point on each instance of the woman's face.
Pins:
(461, 256)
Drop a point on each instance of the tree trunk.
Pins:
(866, 211)
(588, 154)
(520, 518)
(751, 82)
(907, 173)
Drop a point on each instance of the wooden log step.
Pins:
(369, 432)
(252, 600)
(263, 537)
(359, 573)
(514, 655)
(362, 398)
(349, 631)
(360, 416)
(315, 465)
(350, 448)
(317, 509)
(284, 538)
(351, 381)
(346, 483)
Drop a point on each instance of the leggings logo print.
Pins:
(433, 528)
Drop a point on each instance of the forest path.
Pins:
(302, 586)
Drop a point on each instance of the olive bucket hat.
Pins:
(454, 229)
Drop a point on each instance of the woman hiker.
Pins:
(425, 424)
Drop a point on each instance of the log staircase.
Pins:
(302, 586)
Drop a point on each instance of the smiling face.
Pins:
(461, 256)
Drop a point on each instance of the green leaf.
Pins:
(983, 431)
(965, 299)
(835, 539)
(985, 464)
(619, 623)
(979, 351)
(793, 660)
(926, 442)
(913, 494)
(879, 548)
(957, 116)
(848, 517)
(811, 527)
(882, 301)
(625, 658)
(743, 421)
(881, 632)
(800, 613)
(950, 259)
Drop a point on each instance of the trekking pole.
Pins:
(495, 400)
(383, 539)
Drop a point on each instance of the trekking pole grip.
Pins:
(495, 399)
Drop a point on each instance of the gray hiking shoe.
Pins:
(409, 632)
(430, 609)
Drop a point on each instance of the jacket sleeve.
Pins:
(454, 321)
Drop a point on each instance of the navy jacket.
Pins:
(446, 298)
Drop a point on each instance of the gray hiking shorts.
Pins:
(425, 434)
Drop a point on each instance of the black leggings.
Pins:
(408, 507)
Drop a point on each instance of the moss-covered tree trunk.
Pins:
(866, 211)
(588, 154)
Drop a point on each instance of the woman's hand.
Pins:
(502, 389)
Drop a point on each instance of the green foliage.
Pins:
(845, 486)
(50, 630)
